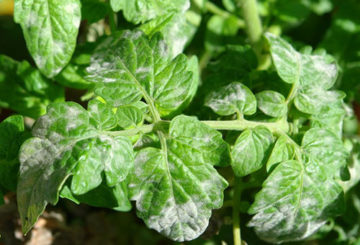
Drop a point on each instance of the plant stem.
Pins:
(279, 127)
(236, 211)
(218, 11)
(112, 19)
(239, 125)
(252, 23)
(131, 132)
(204, 60)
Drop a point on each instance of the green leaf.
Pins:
(129, 116)
(12, 135)
(250, 149)
(128, 66)
(175, 188)
(311, 75)
(113, 156)
(271, 103)
(137, 11)
(50, 29)
(24, 90)
(295, 201)
(233, 98)
(66, 143)
(282, 151)
(221, 31)
(204, 143)
(94, 10)
(102, 196)
(101, 115)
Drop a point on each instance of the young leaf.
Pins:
(101, 115)
(50, 29)
(295, 201)
(137, 11)
(271, 103)
(233, 98)
(24, 90)
(176, 187)
(128, 66)
(249, 151)
(281, 152)
(129, 116)
(12, 135)
(65, 143)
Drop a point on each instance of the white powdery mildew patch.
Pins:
(32, 19)
(58, 47)
(39, 60)
(70, 8)
(181, 222)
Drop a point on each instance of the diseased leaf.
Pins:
(175, 28)
(24, 90)
(233, 98)
(295, 201)
(128, 66)
(175, 188)
(66, 143)
(42, 175)
(313, 100)
(11, 137)
(324, 146)
(50, 29)
(312, 75)
(331, 117)
(249, 151)
(271, 103)
(137, 11)
(300, 195)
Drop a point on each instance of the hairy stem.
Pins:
(279, 127)
(218, 11)
(239, 125)
(236, 211)
(252, 23)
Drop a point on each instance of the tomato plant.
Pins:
(239, 106)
